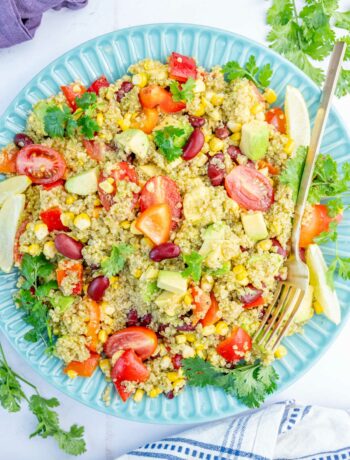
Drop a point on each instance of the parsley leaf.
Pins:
(116, 261)
(167, 140)
(86, 100)
(261, 78)
(194, 266)
(291, 175)
(185, 93)
(341, 266)
(249, 383)
(88, 126)
(59, 122)
(11, 393)
(226, 267)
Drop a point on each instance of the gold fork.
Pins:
(290, 293)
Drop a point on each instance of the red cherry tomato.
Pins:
(234, 348)
(162, 189)
(94, 150)
(68, 269)
(146, 120)
(273, 170)
(141, 339)
(124, 395)
(71, 92)
(155, 223)
(16, 254)
(181, 68)
(202, 302)
(249, 188)
(254, 303)
(168, 105)
(129, 367)
(41, 164)
(213, 314)
(276, 118)
(101, 82)
(317, 223)
(8, 161)
(52, 218)
(153, 96)
(58, 183)
(85, 368)
(123, 171)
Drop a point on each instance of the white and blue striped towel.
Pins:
(282, 431)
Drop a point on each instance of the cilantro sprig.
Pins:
(291, 174)
(185, 92)
(261, 77)
(170, 141)
(11, 397)
(115, 263)
(194, 266)
(309, 35)
(249, 383)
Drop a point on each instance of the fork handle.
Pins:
(315, 142)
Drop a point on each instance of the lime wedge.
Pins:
(297, 117)
(10, 215)
(323, 293)
(13, 185)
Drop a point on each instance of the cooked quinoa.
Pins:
(238, 269)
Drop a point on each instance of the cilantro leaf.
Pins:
(260, 77)
(194, 266)
(341, 266)
(88, 126)
(280, 13)
(342, 20)
(116, 261)
(226, 267)
(291, 175)
(11, 393)
(167, 140)
(58, 122)
(86, 100)
(330, 235)
(185, 93)
(33, 267)
(249, 383)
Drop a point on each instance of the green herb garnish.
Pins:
(12, 396)
(341, 266)
(291, 175)
(261, 77)
(184, 94)
(88, 126)
(194, 266)
(116, 261)
(59, 122)
(169, 141)
(249, 383)
(86, 100)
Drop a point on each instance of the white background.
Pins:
(107, 437)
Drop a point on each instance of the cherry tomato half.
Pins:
(249, 188)
(94, 149)
(52, 218)
(254, 303)
(162, 189)
(317, 223)
(101, 82)
(85, 368)
(276, 118)
(153, 96)
(8, 161)
(181, 67)
(155, 223)
(146, 120)
(202, 302)
(141, 339)
(71, 92)
(129, 367)
(41, 164)
(213, 314)
(124, 395)
(234, 348)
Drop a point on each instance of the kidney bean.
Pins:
(164, 251)
(222, 132)
(234, 151)
(119, 95)
(126, 86)
(169, 394)
(21, 140)
(161, 329)
(194, 145)
(281, 251)
(216, 169)
(251, 295)
(132, 318)
(146, 320)
(196, 122)
(97, 288)
(185, 327)
(68, 246)
(176, 360)
(302, 254)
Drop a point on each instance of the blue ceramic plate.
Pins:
(111, 55)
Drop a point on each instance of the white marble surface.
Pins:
(327, 383)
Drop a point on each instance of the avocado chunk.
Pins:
(172, 282)
(167, 301)
(254, 226)
(84, 183)
(219, 246)
(255, 139)
(305, 311)
(133, 141)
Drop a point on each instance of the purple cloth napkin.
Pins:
(19, 19)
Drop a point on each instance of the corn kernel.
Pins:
(33, 249)
(200, 346)
(133, 229)
(265, 245)
(179, 383)
(234, 127)
(217, 99)
(99, 119)
(49, 250)
(72, 374)
(190, 338)
(154, 392)
(318, 308)
(138, 396)
(138, 273)
(114, 280)
(289, 146)
(41, 231)
(256, 108)
(270, 96)
(29, 226)
(188, 352)
(67, 218)
(235, 137)
(180, 338)
(208, 330)
(237, 269)
(241, 277)
(70, 199)
(125, 224)
(96, 212)
(77, 88)
(188, 299)
(207, 283)
(202, 354)
(148, 242)
(165, 362)
(97, 202)
(216, 144)
(124, 124)
(106, 186)
(221, 328)
(140, 79)
(105, 365)
(82, 221)
(102, 336)
(281, 352)
(201, 109)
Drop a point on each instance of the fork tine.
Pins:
(286, 326)
(293, 295)
(268, 311)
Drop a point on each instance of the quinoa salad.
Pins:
(151, 220)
